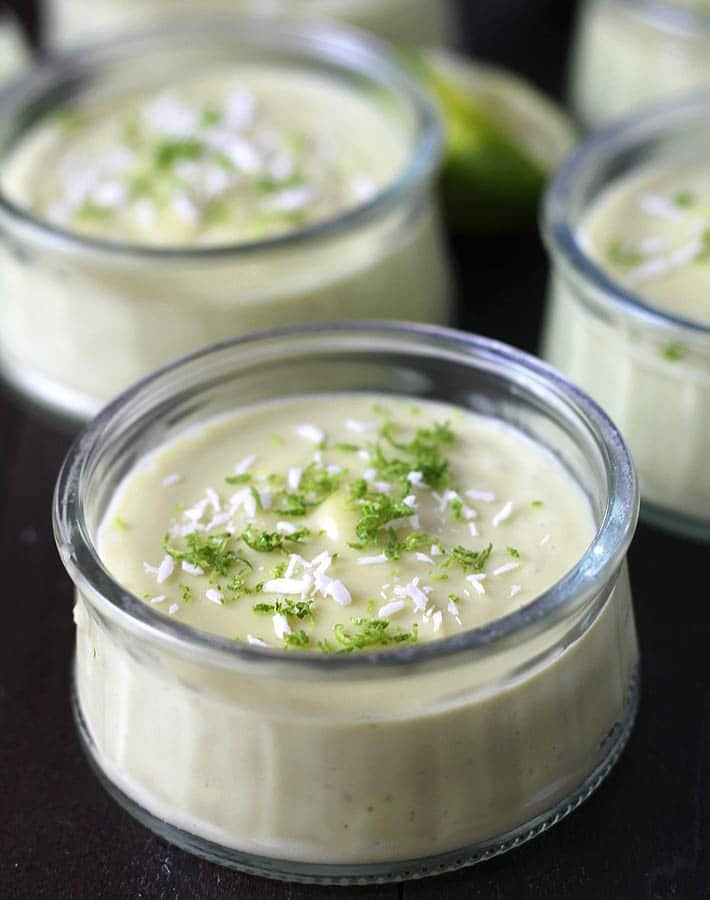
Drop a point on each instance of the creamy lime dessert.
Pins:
(629, 53)
(649, 233)
(324, 528)
(401, 20)
(175, 211)
(292, 525)
(239, 155)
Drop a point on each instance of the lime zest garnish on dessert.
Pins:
(395, 551)
(372, 633)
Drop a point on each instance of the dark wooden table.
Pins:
(643, 834)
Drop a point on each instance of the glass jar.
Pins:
(407, 21)
(629, 52)
(648, 368)
(353, 768)
(82, 318)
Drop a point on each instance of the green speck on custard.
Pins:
(244, 478)
(684, 199)
(674, 351)
(622, 255)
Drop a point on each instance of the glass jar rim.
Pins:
(679, 19)
(349, 49)
(560, 234)
(601, 560)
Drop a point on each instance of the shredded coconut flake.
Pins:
(437, 619)
(508, 567)
(256, 641)
(422, 557)
(171, 479)
(284, 586)
(191, 569)
(503, 513)
(515, 589)
(390, 609)
(477, 586)
(286, 528)
(371, 560)
(165, 569)
(660, 207)
(473, 529)
(158, 599)
(357, 426)
(544, 540)
(242, 467)
(215, 596)
(415, 594)
(172, 609)
(281, 626)
(339, 593)
(310, 433)
(485, 496)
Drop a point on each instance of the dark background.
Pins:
(643, 834)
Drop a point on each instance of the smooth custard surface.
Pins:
(347, 523)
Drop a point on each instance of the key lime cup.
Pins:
(352, 601)
(177, 187)
(628, 53)
(627, 227)
(408, 21)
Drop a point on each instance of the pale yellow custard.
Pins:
(446, 522)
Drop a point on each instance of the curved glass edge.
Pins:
(312, 873)
(671, 17)
(580, 585)
(559, 235)
(352, 50)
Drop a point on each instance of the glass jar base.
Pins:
(63, 406)
(348, 874)
(674, 522)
